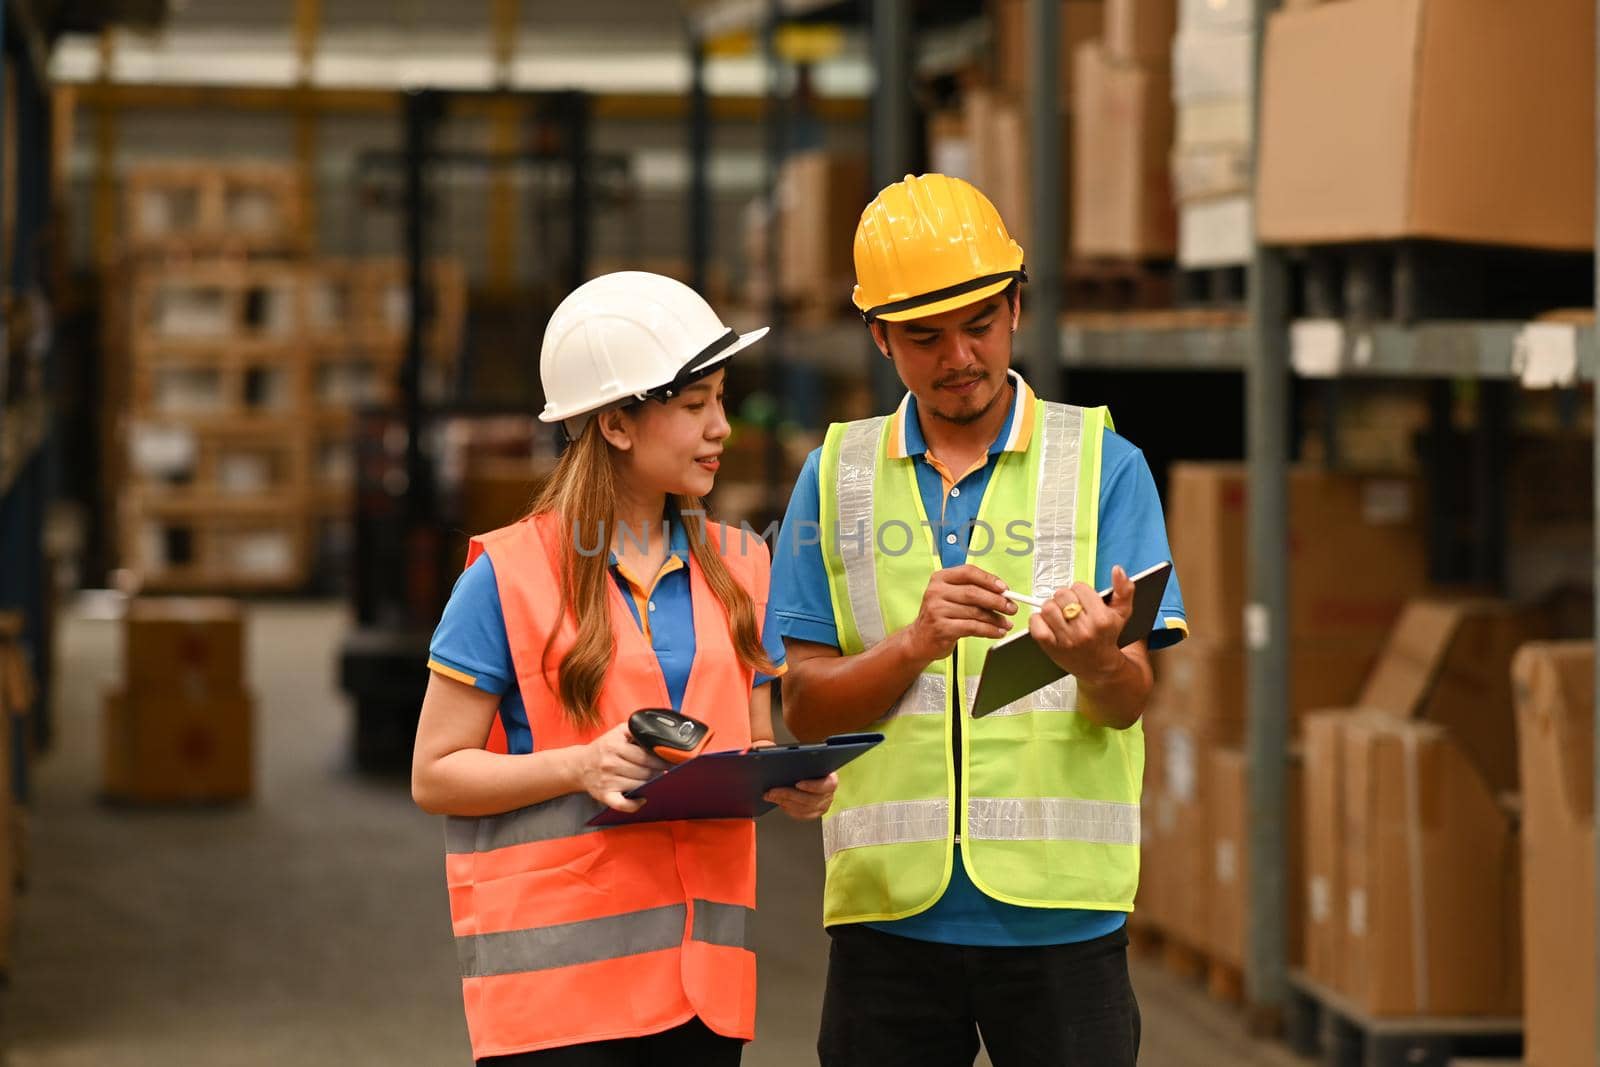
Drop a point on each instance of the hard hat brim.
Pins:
(939, 307)
(550, 414)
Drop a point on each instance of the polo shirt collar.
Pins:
(905, 425)
(677, 539)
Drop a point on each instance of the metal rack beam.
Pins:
(1044, 161)
(1266, 611)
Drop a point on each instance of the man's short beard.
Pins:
(967, 418)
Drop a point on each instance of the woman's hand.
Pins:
(805, 800)
(612, 764)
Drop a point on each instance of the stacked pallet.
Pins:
(238, 364)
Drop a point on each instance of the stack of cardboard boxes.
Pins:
(1413, 887)
(1122, 204)
(1357, 553)
(179, 727)
(1555, 738)
(1213, 68)
(820, 195)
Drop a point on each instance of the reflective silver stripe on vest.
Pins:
(1098, 822)
(570, 944)
(894, 822)
(924, 697)
(561, 817)
(1056, 510)
(1059, 695)
(858, 455)
(720, 924)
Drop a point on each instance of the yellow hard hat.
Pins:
(927, 244)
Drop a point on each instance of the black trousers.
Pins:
(892, 1001)
(691, 1045)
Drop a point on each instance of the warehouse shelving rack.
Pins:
(27, 465)
(1268, 349)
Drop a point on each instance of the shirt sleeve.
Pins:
(766, 619)
(800, 590)
(1133, 532)
(470, 643)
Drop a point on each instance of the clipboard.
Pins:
(728, 785)
(1016, 666)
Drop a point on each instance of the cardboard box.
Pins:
(949, 145)
(1080, 21)
(1321, 828)
(997, 124)
(1157, 827)
(189, 644)
(1216, 233)
(1432, 909)
(1228, 803)
(1210, 15)
(1449, 662)
(1183, 840)
(1140, 31)
(1211, 122)
(1204, 172)
(1467, 120)
(1204, 685)
(175, 746)
(1216, 65)
(1122, 188)
(1555, 723)
(821, 196)
(1357, 550)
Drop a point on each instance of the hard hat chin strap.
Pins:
(694, 368)
(923, 299)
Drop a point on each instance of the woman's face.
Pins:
(672, 446)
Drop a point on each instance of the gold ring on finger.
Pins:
(1072, 610)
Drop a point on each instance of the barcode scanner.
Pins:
(663, 732)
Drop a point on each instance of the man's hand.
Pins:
(960, 602)
(1085, 644)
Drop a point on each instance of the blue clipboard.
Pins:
(728, 785)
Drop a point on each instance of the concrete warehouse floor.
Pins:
(310, 927)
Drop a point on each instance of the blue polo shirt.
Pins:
(470, 643)
(1132, 532)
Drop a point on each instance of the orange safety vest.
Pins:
(569, 934)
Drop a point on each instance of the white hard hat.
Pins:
(629, 335)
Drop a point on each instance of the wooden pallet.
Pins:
(1220, 287)
(1408, 281)
(1321, 1023)
(1117, 284)
(1222, 980)
(192, 208)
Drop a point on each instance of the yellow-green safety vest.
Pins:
(1048, 811)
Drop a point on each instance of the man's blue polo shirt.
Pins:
(1132, 533)
(470, 643)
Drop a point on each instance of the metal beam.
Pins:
(505, 128)
(1266, 614)
(105, 158)
(100, 96)
(1595, 948)
(891, 147)
(1044, 257)
(699, 167)
(307, 32)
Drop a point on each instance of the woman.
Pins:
(623, 945)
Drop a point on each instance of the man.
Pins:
(979, 871)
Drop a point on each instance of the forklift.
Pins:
(404, 558)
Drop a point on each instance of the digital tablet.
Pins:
(1016, 666)
(729, 785)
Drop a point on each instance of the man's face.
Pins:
(954, 363)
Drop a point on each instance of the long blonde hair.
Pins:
(582, 491)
